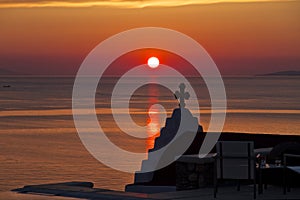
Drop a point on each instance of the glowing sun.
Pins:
(153, 62)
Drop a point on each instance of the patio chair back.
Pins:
(235, 160)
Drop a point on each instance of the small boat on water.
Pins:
(6, 86)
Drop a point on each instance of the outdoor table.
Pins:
(268, 169)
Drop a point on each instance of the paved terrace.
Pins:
(85, 190)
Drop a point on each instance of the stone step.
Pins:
(141, 177)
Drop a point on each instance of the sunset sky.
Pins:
(243, 37)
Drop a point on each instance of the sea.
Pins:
(40, 144)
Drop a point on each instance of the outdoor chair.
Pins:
(235, 160)
(287, 168)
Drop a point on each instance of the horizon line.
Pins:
(125, 3)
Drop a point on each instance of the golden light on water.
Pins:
(153, 127)
(153, 121)
(118, 4)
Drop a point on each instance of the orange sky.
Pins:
(243, 38)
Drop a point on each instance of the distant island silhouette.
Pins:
(282, 73)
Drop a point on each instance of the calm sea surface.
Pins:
(39, 143)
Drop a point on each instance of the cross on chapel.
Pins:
(182, 95)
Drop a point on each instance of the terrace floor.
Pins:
(86, 191)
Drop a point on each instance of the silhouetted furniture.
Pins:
(235, 160)
(287, 168)
(285, 148)
(263, 151)
(262, 155)
(269, 174)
